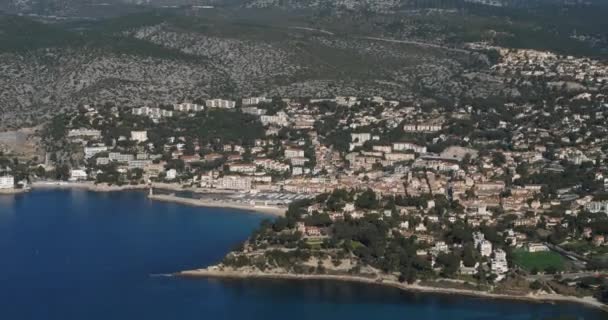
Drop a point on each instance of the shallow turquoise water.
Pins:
(82, 255)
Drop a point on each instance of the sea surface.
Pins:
(72, 254)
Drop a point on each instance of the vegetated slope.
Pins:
(140, 60)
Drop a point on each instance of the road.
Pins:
(417, 43)
(410, 42)
(572, 275)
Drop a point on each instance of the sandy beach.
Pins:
(270, 210)
(214, 272)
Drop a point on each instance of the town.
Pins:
(503, 195)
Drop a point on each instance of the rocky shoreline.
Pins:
(217, 272)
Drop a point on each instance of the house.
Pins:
(422, 127)
(138, 164)
(88, 133)
(499, 263)
(187, 107)
(171, 174)
(313, 231)
(119, 157)
(154, 113)
(219, 103)
(598, 240)
(358, 139)
(279, 119)
(242, 168)
(293, 153)
(408, 146)
(90, 152)
(536, 247)
(139, 136)
(468, 270)
(7, 182)
(298, 161)
(78, 175)
(485, 248)
(234, 183)
(254, 100)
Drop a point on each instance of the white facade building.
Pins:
(90, 152)
(220, 103)
(154, 113)
(78, 175)
(254, 100)
(139, 136)
(171, 174)
(358, 139)
(90, 133)
(120, 157)
(499, 263)
(234, 183)
(7, 182)
(408, 146)
(187, 107)
(279, 119)
(294, 153)
(485, 248)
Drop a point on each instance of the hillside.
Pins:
(177, 58)
(164, 56)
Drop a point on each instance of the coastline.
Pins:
(270, 210)
(214, 272)
(89, 186)
(13, 191)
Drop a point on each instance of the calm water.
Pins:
(80, 255)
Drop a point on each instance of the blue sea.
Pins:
(72, 254)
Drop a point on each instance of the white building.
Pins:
(422, 127)
(597, 206)
(499, 263)
(90, 133)
(7, 182)
(89, 152)
(537, 247)
(139, 164)
(187, 107)
(270, 164)
(154, 113)
(440, 247)
(78, 175)
(293, 153)
(120, 157)
(234, 183)
(102, 161)
(485, 248)
(242, 168)
(279, 119)
(253, 110)
(254, 100)
(408, 146)
(219, 103)
(171, 174)
(358, 139)
(139, 136)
